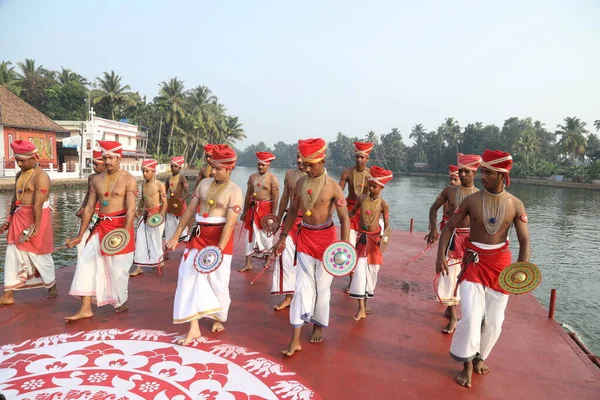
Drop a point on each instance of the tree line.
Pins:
(178, 121)
(571, 149)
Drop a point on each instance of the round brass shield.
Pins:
(27, 233)
(174, 206)
(155, 220)
(115, 241)
(268, 222)
(520, 277)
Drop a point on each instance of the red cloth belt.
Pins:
(314, 241)
(43, 241)
(210, 235)
(488, 267)
(258, 209)
(367, 245)
(458, 244)
(109, 222)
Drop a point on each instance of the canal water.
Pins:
(564, 238)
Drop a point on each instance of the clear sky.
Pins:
(292, 69)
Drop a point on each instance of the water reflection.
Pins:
(563, 224)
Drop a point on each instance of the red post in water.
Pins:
(411, 225)
(552, 303)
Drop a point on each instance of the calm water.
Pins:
(564, 234)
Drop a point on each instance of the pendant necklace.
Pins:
(311, 188)
(370, 211)
(108, 184)
(493, 209)
(214, 192)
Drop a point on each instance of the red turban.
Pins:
(23, 149)
(468, 161)
(498, 161)
(312, 150)
(150, 164)
(453, 170)
(97, 155)
(109, 148)
(380, 176)
(363, 148)
(208, 149)
(178, 161)
(264, 157)
(223, 156)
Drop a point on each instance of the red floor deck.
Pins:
(397, 352)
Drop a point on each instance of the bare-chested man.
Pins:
(261, 199)
(356, 178)
(207, 295)
(453, 180)
(148, 246)
(102, 269)
(372, 209)
(445, 285)
(98, 166)
(316, 192)
(284, 275)
(29, 264)
(492, 212)
(206, 171)
(177, 187)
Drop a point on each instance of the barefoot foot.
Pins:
(293, 347)
(217, 327)
(246, 268)
(285, 303)
(464, 378)
(450, 327)
(448, 313)
(360, 315)
(368, 311)
(190, 337)
(79, 315)
(137, 271)
(121, 308)
(480, 367)
(347, 289)
(52, 292)
(317, 334)
(7, 299)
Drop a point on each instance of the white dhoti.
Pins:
(20, 269)
(261, 242)
(445, 285)
(284, 274)
(149, 245)
(364, 279)
(171, 222)
(312, 292)
(104, 278)
(81, 245)
(203, 295)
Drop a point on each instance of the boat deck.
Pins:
(397, 352)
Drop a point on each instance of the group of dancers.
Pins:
(472, 250)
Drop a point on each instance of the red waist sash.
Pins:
(444, 221)
(314, 241)
(367, 245)
(258, 209)
(210, 235)
(458, 244)
(42, 242)
(109, 222)
(487, 266)
(294, 231)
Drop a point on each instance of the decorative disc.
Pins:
(155, 220)
(520, 277)
(208, 259)
(339, 259)
(174, 205)
(268, 222)
(115, 241)
(385, 239)
(27, 232)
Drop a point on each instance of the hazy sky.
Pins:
(314, 68)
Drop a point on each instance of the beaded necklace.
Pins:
(358, 180)
(370, 210)
(462, 192)
(214, 192)
(173, 182)
(22, 183)
(311, 188)
(109, 181)
(259, 181)
(493, 209)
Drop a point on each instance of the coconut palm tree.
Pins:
(418, 134)
(66, 75)
(110, 92)
(201, 103)
(528, 143)
(172, 98)
(573, 137)
(452, 132)
(9, 78)
(28, 68)
(597, 124)
(233, 131)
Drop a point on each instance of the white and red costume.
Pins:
(362, 148)
(97, 157)
(172, 220)
(284, 274)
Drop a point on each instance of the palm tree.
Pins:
(528, 143)
(172, 98)
(452, 132)
(110, 92)
(28, 68)
(418, 134)
(597, 124)
(573, 137)
(201, 103)
(233, 131)
(66, 75)
(9, 78)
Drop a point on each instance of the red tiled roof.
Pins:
(17, 113)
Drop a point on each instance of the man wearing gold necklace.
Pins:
(445, 285)
(178, 191)
(206, 171)
(453, 180)
(368, 247)
(153, 204)
(317, 193)
(284, 274)
(219, 202)
(356, 179)
(28, 264)
(102, 271)
(98, 165)
(261, 199)
(492, 212)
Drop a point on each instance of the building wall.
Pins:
(45, 142)
(2, 140)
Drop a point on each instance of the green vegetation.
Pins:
(178, 121)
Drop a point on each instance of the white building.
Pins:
(133, 140)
